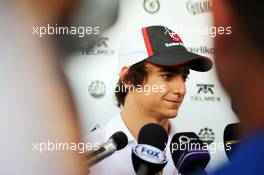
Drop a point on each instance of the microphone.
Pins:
(189, 154)
(147, 156)
(116, 142)
(231, 139)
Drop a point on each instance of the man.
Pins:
(240, 61)
(36, 105)
(153, 65)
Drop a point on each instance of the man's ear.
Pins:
(123, 74)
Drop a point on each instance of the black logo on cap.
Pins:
(173, 35)
(207, 135)
(151, 6)
(97, 89)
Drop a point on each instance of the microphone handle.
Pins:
(196, 171)
(202, 172)
(143, 169)
(104, 151)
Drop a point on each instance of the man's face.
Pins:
(164, 90)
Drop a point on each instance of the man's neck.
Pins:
(135, 118)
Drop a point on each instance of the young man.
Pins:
(153, 65)
(239, 61)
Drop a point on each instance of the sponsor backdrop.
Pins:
(93, 74)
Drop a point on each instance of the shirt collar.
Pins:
(117, 124)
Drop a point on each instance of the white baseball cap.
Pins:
(160, 46)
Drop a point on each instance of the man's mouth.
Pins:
(174, 103)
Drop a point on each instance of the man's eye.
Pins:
(166, 76)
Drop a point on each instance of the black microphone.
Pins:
(116, 142)
(231, 139)
(147, 156)
(189, 153)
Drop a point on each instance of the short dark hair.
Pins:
(250, 15)
(136, 75)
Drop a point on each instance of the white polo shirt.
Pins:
(120, 162)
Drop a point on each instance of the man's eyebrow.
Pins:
(174, 70)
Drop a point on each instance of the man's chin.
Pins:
(172, 114)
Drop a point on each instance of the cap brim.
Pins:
(177, 58)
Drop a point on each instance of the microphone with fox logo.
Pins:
(147, 156)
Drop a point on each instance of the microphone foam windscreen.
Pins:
(120, 139)
(154, 135)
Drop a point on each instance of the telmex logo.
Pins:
(102, 42)
(205, 88)
(205, 93)
(100, 47)
(199, 7)
(150, 153)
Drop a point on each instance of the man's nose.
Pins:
(178, 85)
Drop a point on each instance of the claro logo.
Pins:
(199, 7)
